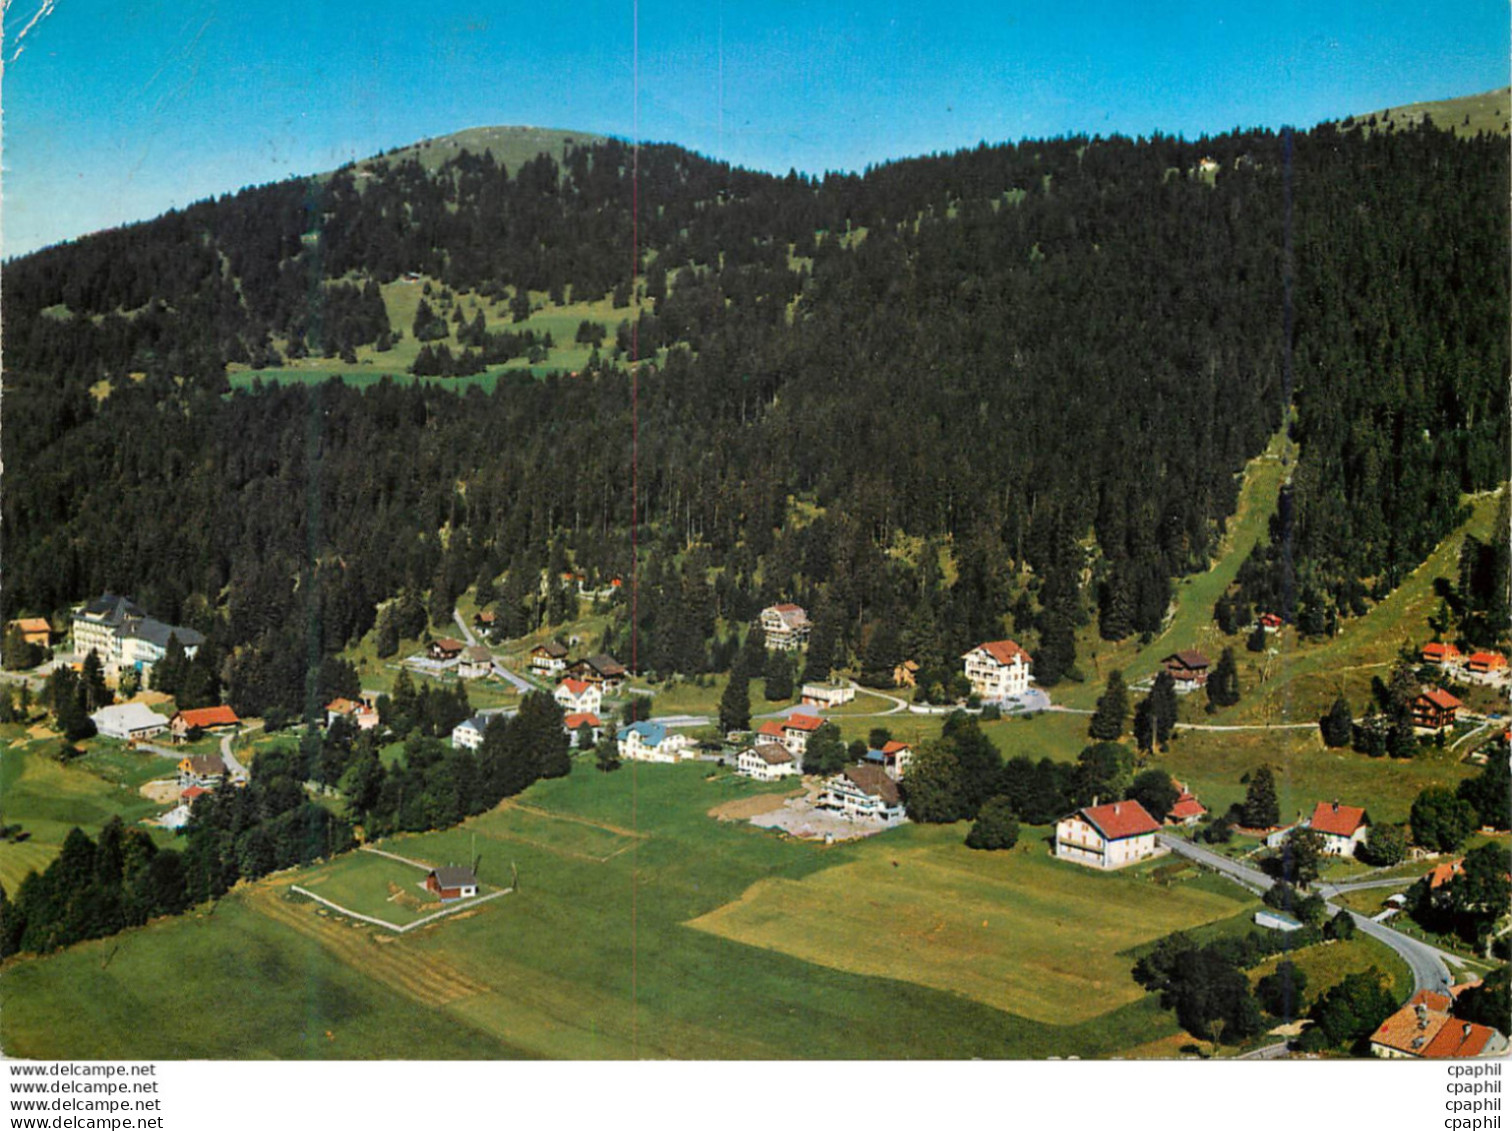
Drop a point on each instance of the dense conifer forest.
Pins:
(1006, 389)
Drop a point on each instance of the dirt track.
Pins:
(744, 808)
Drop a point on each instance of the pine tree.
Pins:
(1338, 725)
(1112, 710)
(1261, 808)
(779, 676)
(1223, 682)
(735, 703)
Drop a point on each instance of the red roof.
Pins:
(802, 722)
(1337, 820)
(1271, 620)
(447, 644)
(894, 747)
(1186, 807)
(771, 728)
(572, 722)
(1459, 1038)
(204, 717)
(575, 687)
(1437, 651)
(1119, 819)
(788, 608)
(192, 792)
(1441, 698)
(1487, 660)
(1442, 874)
(1005, 651)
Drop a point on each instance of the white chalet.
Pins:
(786, 627)
(999, 669)
(862, 793)
(767, 761)
(578, 696)
(652, 742)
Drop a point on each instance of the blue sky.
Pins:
(116, 112)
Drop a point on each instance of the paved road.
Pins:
(1328, 891)
(1269, 1052)
(467, 633)
(1429, 971)
(519, 681)
(232, 764)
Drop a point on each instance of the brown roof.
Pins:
(1337, 820)
(476, 652)
(551, 648)
(202, 765)
(1119, 819)
(873, 780)
(772, 754)
(1004, 651)
(447, 644)
(605, 665)
(1190, 659)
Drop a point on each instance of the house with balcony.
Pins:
(999, 669)
(1107, 836)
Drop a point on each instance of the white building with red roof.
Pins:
(1444, 655)
(786, 627)
(1426, 1029)
(999, 669)
(574, 723)
(797, 729)
(1343, 827)
(1107, 836)
(1187, 810)
(578, 696)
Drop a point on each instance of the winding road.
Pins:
(1429, 970)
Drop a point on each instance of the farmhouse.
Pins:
(825, 695)
(651, 742)
(548, 659)
(999, 669)
(796, 732)
(1435, 709)
(862, 793)
(893, 758)
(125, 636)
(365, 715)
(1343, 827)
(1270, 622)
(1187, 810)
(1188, 668)
(604, 671)
(476, 663)
(129, 721)
(786, 627)
(766, 761)
(203, 770)
(34, 630)
(485, 619)
(1445, 872)
(451, 882)
(444, 649)
(579, 695)
(1444, 655)
(1107, 836)
(468, 734)
(1426, 1028)
(201, 718)
(574, 723)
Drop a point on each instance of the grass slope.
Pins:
(593, 957)
(1471, 114)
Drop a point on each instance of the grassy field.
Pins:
(47, 798)
(374, 885)
(1019, 931)
(1329, 963)
(593, 955)
(237, 984)
(1469, 115)
(1212, 764)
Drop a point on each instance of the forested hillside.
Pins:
(1004, 389)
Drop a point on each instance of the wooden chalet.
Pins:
(444, 649)
(1435, 709)
(1188, 668)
